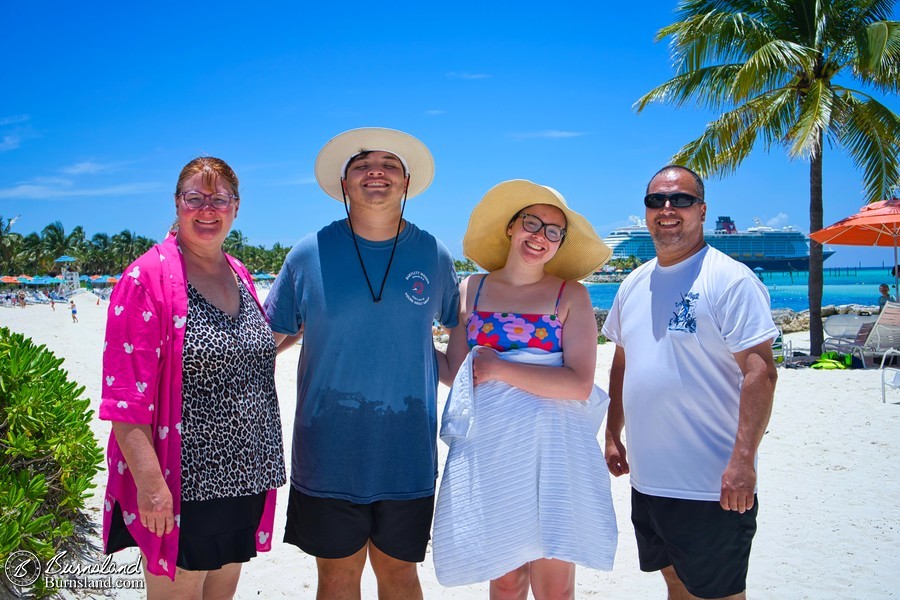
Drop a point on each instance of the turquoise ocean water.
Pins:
(845, 285)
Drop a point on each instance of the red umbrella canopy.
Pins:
(876, 224)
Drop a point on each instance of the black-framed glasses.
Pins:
(218, 201)
(676, 200)
(532, 224)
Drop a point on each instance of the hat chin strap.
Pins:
(375, 299)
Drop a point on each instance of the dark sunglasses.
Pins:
(676, 200)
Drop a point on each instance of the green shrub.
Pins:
(49, 454)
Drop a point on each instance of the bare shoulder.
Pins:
(575, 300)
(467, 289)
(575, 293)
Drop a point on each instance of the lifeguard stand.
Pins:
(70, 283)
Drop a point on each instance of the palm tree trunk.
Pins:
(816, 335)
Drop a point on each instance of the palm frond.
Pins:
(729, 139)
(871, 134)
(813, 120)
(714, 37)
(710, 88)
(777, 59)
(877, 54)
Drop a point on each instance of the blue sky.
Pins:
(102, 104)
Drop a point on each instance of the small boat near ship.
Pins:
(759, 247)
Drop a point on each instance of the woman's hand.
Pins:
(487, 366)
(155, 507)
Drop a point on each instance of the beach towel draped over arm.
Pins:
(458, 420)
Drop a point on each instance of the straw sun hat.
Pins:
(333, 157)
(581, 253)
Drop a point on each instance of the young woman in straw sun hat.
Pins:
(525, 493)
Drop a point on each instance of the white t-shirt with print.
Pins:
(680, 327)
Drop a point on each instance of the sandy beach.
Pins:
(829, 490)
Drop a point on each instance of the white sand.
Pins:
(829, 488)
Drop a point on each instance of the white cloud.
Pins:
(10, 142)
(551, 134)
(51, 181)
(463, 75)
(435, 111)
(779, 220)
(86, 167)
(13, 119)
(40, 190)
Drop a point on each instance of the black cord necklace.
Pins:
(375, 299)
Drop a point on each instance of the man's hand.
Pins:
(738, 484)
(615, 455)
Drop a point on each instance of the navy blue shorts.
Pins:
(708, 547)
(334, 528)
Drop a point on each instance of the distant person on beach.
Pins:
(364, 459)
(195, 453)
(885, 296)
(692, 383)
(74, 310)
(525, 494)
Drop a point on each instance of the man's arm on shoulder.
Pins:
(615, 416)
(757, 394)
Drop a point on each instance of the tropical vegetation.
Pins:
(49, 454)
(779, 71)
(35, 253)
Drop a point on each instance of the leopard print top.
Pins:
(230, 426)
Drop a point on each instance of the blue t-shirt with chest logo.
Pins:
(366, 416)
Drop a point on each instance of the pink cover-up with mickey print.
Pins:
(142, 360)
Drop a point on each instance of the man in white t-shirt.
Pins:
(692, 383)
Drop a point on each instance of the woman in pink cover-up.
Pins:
(195, 454)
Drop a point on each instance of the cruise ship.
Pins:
(758, 247)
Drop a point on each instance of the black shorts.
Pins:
(213, 533)
(333, 528)
(709, 547)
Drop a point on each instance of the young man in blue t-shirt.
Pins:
(364, 291)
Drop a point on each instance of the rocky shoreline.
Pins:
(788, 320)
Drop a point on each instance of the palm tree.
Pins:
(56, 243)
(234, 243)
(10, 246)
(33, 256)
(778, 69)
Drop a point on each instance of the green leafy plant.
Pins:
(48, 454)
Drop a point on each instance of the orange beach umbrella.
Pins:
(876, 224)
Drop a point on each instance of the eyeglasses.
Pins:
(531, 224)
(676, 200)
(218, 201)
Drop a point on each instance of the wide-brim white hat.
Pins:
(581, 253)
(333, 157)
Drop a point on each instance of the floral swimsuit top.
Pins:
(507, 331)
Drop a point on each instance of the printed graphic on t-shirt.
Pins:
(683, 319)
(417, 292)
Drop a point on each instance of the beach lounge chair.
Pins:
(843, 329)
(782, 350)
(890, 376)
(872, 340)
